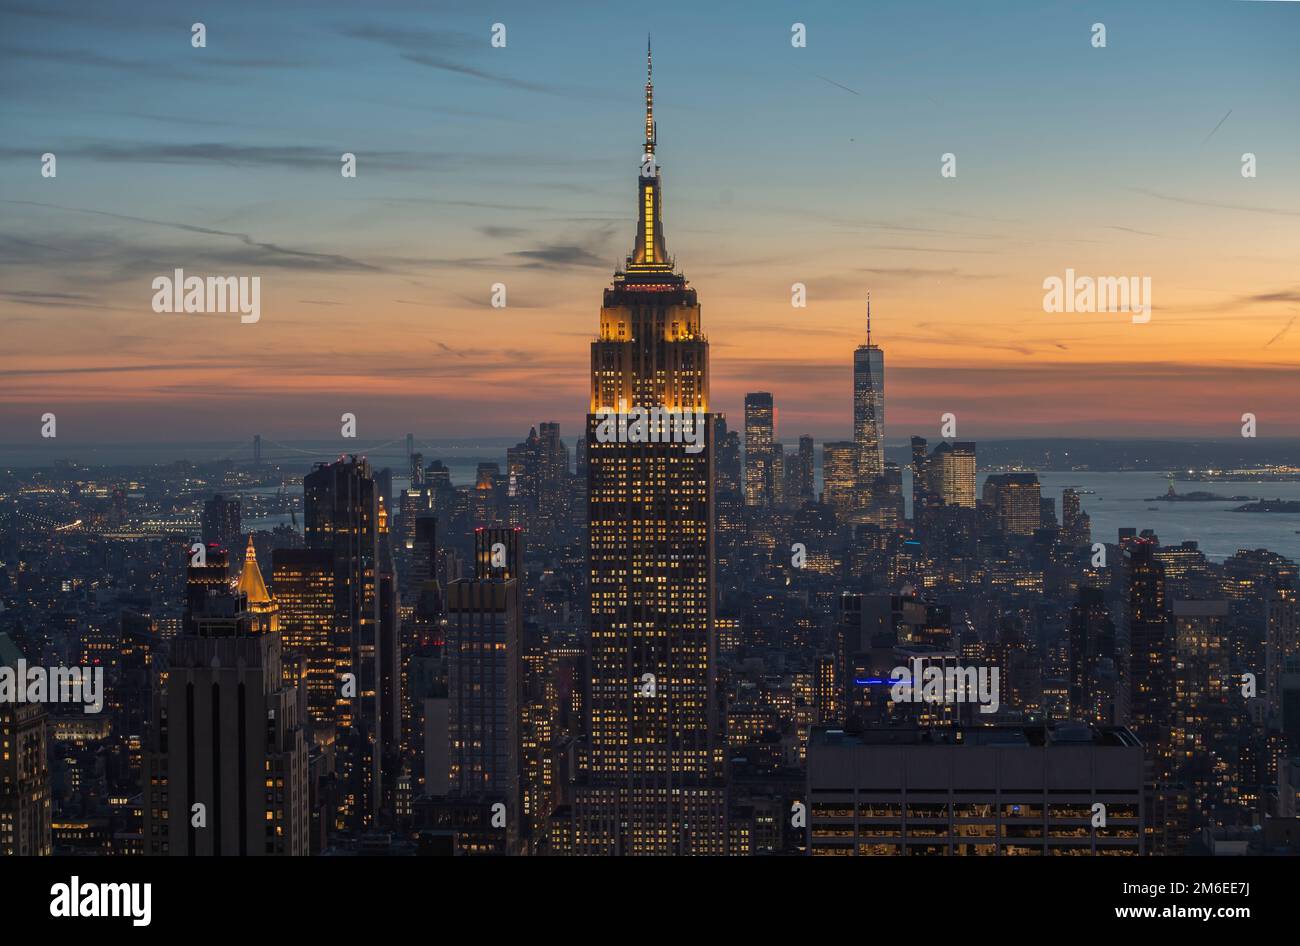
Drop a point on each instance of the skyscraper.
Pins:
(523, 480)
(727, 474)
(484, 640)
(1092, 647)
(499, 553)
(1152, 656)
(221, 522)
(388, 646)
(1151, 653)
(1016, 501)
(25, 827)
(887, 497)
(839, 479)
(1202, 721)
(653, 777)
(425, 737)
(953, 466)
(868, 414)
(760, 449)
(1076, 529)
(486, 488)
(229, 755)
(303, 580)
(341, 517)
(922, 491)
(422, 563)
(805, 479)
(553, 480)
(205, 573)
(1281, 642)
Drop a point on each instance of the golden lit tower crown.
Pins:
(650, 351)
(251, 582)
(264, 607)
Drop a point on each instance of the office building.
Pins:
(999, 791)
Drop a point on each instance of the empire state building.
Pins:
(651, 782)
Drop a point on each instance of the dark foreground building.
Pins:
(982, 792)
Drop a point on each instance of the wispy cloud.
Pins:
(1279, 335)
(442, 50)
(198, 70)
(265, 253)
(298, 157)
(56, 300)
(589, 250)
(1222, 205)
(1218, 126)
(838, 85)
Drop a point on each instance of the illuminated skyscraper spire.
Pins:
(868, 318)
(649, 100)
(650, 253)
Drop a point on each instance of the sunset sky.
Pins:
(517, 165)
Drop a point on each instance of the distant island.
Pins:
(1271, 505)
(1230, 458)
(1198, 496)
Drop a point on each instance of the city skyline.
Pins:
(731, 613)
(817, 165)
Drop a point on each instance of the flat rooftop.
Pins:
(1070, 734)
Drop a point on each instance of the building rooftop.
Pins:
(1063, 734)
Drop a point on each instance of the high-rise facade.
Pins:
(228, 762)
(1076, 528)
(979, 792)
(760, 450)
(1202, 720)
(341, 517)
(727, 470)
(1150, 650)
(1016, 499)
(221, 522)
(25, 814)
(839, 476)
(413, 503)
(1281, 642)
(1152, 655)
(483, 680)
(805, 480)
(922, 492)
(953, 466)
(388, 646)
(887, 497)
(1092, 658)
(652, 782)
(553, 478)
(523, 480)
(303, 580)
